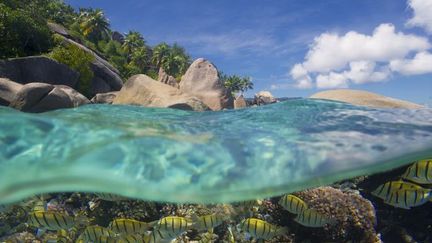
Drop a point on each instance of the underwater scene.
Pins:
(167, 175)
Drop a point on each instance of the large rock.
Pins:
(104, 98)
(106, 76)
(202, 80)
(167, 79)
(364, 98)
(41, 97)
(38, 69)
(239, 102)
(8, 91)
(264, 98)
(142, 90)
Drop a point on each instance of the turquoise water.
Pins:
(180, 156)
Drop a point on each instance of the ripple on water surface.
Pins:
(180, 156)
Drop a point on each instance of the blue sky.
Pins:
(265, 39)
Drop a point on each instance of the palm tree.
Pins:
(133, 40)
(93, 24)
(139, 58)
(160, 54)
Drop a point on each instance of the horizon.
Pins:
(296, 48)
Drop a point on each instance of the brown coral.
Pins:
(354, 216)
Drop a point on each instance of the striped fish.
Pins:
(385, 190)
(132, 239)
(420, 172)
(207, 222)
(110, 197)
(311, 218)
(409, 198)
(128, 226)
(261, 229)
(94, 233)
(172, 226)
(53, 220)
(293, 204)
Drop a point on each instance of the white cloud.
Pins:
(331, 81)
(420, 64)
(332, 52)
(366, 71)
(336, 61)
(300, 74)
(422, 14)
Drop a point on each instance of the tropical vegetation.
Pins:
(24, 32)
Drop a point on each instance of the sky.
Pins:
(295, 48)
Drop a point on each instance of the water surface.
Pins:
(180, 156)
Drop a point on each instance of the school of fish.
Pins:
(411, 190)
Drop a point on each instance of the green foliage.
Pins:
(24, 32)
(133, 40)
(236, 83)
(21, 34)
(78, 60)
(174, 60)
(94, 25)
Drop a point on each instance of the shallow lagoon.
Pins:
(209, 157)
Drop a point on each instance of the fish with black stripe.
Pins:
(207, 222)
(311, 218)
(128, 226)
(172, 226)
(93, 233)
(293, 204)
(261, 229)
(402, 194)
(420, 172)
(54, 221)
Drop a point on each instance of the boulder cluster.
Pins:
(39, 84)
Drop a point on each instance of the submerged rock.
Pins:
(142, 90)
(202, 80)
(364, 98)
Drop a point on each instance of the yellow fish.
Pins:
(132, 239)
(403, 194)
(54, 221)
(311, 218)
(207, 222)
(293, 204)
(385, 190)
(128, 226)
(95, 232)
(420, 172)
(172, 226)
(261, 229)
